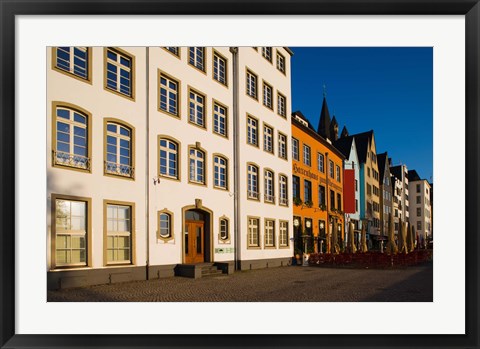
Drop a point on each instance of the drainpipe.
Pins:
(147, 166)
(236, 155)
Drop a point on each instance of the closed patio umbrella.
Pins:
(351, 238)
(391, 246)
(334, 237)
(408, 236)
(364, 247)
(412, 239)
(402, 239)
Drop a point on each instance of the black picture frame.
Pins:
(10, 9)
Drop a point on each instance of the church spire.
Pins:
(324, 122)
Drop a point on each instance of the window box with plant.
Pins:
(308, 203)
(297, 201)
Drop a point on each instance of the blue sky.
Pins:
(389, 90)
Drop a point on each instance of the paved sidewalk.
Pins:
(283, 284)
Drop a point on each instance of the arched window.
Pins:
(165, 225)
(168, 158)
(118, 157)
(282, 184)
(269, 186)
(197, 166)
(220, 169)
(224, 233)
(252, 182)
(71, 146)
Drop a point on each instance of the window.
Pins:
(219, 68)
(73, 60)
(330, 168)
(339, 201)
(71, 138)
(296, 187)
(267, 53)
(306, 155)
(165, 225)
(196, 57)
(295, 154)
(252, 131)
(168, 165)
(321, 162)
(251, 84)
(368, 171)
(419, 211)
(369, 189)
(119, 233)
(220, 119)
(356, 206)
(197, 166)
(174, 50)
(321, 195)
(307, 191)
(253, 238)
(220, 170)
(224, 231)
(283, 190)
(282, 146)
(169, 95)
(267, 95)
(332, 199)
(418, 188)
(269, 187)
(71, 231)
(119, 150)
(268, 139)
(269, 233)
(252, 184)
(418, 199)
(280, 62)
(197, 108)
(419, 225)
(119, 74)
(338, 173)
(281, 105)
(283, 237)
(356, 185)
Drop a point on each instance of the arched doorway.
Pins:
(196, 235)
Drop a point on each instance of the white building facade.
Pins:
(148, 155)
(420, 210)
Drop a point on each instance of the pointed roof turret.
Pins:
(344, 132)
(324, 122)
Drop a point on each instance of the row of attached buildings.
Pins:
(164, 158)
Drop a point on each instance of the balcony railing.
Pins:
(119, 169)
(283, 201)
(253, 195)
(71, 160)
(269, 198)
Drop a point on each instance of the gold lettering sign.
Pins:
(306, 173)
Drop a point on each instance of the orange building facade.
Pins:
(317, 183)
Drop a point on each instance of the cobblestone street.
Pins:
(283, 284)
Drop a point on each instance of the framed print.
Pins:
(154, 157)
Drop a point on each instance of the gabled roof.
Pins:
(413, 176)
(362, 140)
(304, 118)
(344, 145)
(382, 161)
(323, 128)
(397, 171)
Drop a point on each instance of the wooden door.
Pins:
(194, 242)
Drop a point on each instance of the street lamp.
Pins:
(321, 240)
(308, 224)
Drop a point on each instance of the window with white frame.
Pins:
(267, 53)
(224, 234)
(71, 142)
(307, 160)
(283, 190)
(252, 131)
(197, 166)
(220, 172)
(269, 233)
(196, 113)
(268, 138)
(118, 156)
(252, 185)
(267, 95)
(331, 169)
(219, 68)
(196, 57)
(119, 234)
(253, 233)
(280, 62)
(119, 72)
(251, 84)
(73, 60)
(295, 154)
(282, 146)
(168, 158)
(165, 225)
(283, 233)
(169, 95)
(338, 173)
(281, 105)
(269, 186)
(321, 162)
(219, 119)
(70, 233)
